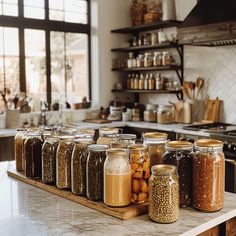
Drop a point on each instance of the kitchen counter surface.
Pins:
(27, 210)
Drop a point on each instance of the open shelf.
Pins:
(158, 68)
(146, 91)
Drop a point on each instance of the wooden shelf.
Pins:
(158, 68)
(146, 91)
(147, 27)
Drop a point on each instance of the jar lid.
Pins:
(127, 136)
(83, 140)
(117, 152)
(97, 147)
(86, 131)
(179, 144)
(137, 147)
(208, 143)
(155, 135)
(107, 130)
(164, 169)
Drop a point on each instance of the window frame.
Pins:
(46, 25)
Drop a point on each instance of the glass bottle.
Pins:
(141, 82)
(180, 154)
(107, 135)
(151, 82)
(136, 82)
(208, 175)
(117, 178)
(164, 194)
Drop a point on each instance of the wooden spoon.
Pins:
(199, 84)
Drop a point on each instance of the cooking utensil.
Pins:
(199, 84)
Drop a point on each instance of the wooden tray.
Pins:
(97, 121)
(123, 213)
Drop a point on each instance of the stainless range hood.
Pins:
(210, 23)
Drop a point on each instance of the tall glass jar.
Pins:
(94, 171)
(164, 194)
(78, 165)
(155, 142)
(208, 175)
(127, 138)
(107, 135)
(180, 154)
(117, 178)
(63, 162)
(33, 155)
(140, 168)
(49, 152)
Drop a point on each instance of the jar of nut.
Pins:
(140, 167)
(164, 194)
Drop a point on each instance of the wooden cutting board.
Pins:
(97, 121)
(212, 109)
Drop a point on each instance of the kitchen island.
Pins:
(27, 210)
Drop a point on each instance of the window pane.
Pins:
(35, 65)
(10, 9)
(56, 4)
(76, 17)
(56, 15)
(33, 3)
(11, 1)
(34, 12)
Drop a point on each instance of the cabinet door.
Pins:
(231, 227)
(215, 231)
(183, 8)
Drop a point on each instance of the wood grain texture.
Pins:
(215, 231)
(231, 227)
(123, 213)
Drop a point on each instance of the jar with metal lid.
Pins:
(164, 194)
(95, 171)
(63, 161)
(78, 165)
(150, 114)
(33, 155)
(208, 175)
(107, 135)
(49, 152)
(148, 59)
(117, 178)
(127, 138)
(119, 144)
(85, 133)
(180, 154)
(47, 131)
(165, 114)
(140, 168)
(155, 142)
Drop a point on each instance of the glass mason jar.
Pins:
(140, 168)
(155, 142)
(117, 178)
(164, 194)
(119, 144)
(208, 175)
(49, 152)
(107, 135)
(63, 162)
(78, 165)
(127, 138)
(47, 131)
(85, 133)
(180, 154)
(19, 148)
(165, 114)
(33, 155)
(94, 171)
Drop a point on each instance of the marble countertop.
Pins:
(27, 210)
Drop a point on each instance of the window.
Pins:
(45, 49)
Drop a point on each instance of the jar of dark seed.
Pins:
(164, 194)
(95, 171)
(78, 165)
(180, 154)
(63, 162)
(49, 151)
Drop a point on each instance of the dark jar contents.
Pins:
(95, 171)
(180, 154)
(33, 155)
(63, 162)
(208, 175)
(78, 166)
(49, 152)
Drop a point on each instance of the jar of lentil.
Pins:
(140, 168)
(180, 154)
(49, 151)
(33, 155)
(107, 135)
(127, 138)
(208, 175)
(164, 194)
(78, 165)
(117, 178)
(95, 171)
(63, 162)
(155, 142)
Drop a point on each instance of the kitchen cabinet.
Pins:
(231, 227)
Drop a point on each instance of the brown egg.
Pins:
(135, 186)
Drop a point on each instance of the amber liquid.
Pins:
(117, 189)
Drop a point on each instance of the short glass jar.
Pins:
(208, 175)
(148, 59)
(107, 135)
(164, 194)
(127, 138)
(155, 142)
(119, 144)
(180, 154)
(117, 178)
(165, 114)
(140, 168)
(150, 114)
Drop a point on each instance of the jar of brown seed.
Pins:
(164, 194)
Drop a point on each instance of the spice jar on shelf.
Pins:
(148, 59)
(164, 194)
(63, 162)
(107, 135)
(155, 142)
(165, 114)
(117, 178)
(140, 167)
(95, 171)
(78, 165)
(141, 82)
(150, 114)
(208, 175)
(136, 82)
(180, 154)
(151, 82)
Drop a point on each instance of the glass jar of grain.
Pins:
(164, 194)
(208, 175)
(107, 135)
